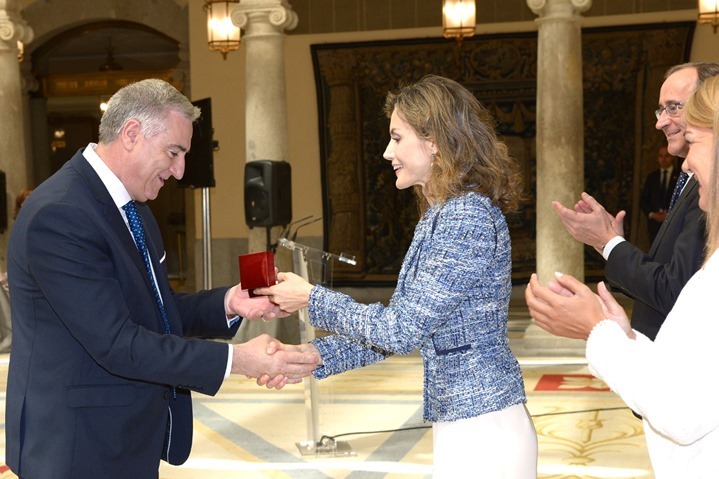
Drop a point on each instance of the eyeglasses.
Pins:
(672, 109)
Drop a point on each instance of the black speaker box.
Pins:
(268, 193)
(199, 169)
(3, 202)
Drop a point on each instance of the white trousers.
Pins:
(496, 445)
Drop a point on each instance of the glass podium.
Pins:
(312, 263)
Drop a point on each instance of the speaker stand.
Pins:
(270, 246)
(206, 240)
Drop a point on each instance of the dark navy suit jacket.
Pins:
(655, 279)
(91, 372)
(654, 198)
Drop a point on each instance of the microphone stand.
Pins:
(301, 256)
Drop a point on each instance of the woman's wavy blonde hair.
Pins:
(469, 155)
(702, 111)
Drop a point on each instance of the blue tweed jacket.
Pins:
(451, 301)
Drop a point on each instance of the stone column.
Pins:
(263, 23)
(560, 132)
(13, 152)
(560, 156)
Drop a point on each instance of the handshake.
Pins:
(265, 358)
(273, 363)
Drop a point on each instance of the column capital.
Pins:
(263, 17)
(13, 27)
(558, 8)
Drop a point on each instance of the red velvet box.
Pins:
(257, 270)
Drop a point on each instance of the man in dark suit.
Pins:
(652, 279)
(101, 366)
(657, 191)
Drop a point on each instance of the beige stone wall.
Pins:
(224, 82)
(320, 21)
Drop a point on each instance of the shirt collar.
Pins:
(114, 186)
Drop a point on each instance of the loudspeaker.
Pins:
(3, 202)
(199, 171)
(268, 193)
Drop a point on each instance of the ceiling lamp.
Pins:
(709, 13)
(110, 65)
(222, 35)
(459, 18)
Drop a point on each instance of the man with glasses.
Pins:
(652, 279)
(671, 109)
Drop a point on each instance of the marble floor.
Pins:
(371, 421)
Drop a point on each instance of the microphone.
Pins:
(286, 231)
(294, 236)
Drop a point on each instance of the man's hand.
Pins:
(266, 356)
(291, 293)
(275, 346)
(565, 307)
(239, 302)
(659, 216)
(589, 222)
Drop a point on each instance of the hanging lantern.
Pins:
(459, 18)
(709, 13)
(222, 35)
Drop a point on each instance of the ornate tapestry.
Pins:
(366, 216)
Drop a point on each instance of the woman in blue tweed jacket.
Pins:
(453, 288)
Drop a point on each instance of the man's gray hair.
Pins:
(147, 101)
(704, 70)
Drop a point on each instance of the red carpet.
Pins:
(570, 382)
(6, 473)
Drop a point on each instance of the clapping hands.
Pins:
(567, 307)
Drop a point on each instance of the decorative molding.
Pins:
(582, 5)
(277, 13)
(101, 83)
(536, 5)
(13, 28)
(556, 9)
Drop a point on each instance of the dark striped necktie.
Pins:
(681, 181)
(138, 233)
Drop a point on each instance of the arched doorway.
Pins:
(78, 69)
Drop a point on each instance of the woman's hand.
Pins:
(567, 307)
(613, 310)
(291, 293)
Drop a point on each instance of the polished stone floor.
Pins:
(372, 420)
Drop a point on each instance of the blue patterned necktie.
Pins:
(133, 218)
(681, 181)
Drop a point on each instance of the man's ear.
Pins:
(130, 133)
